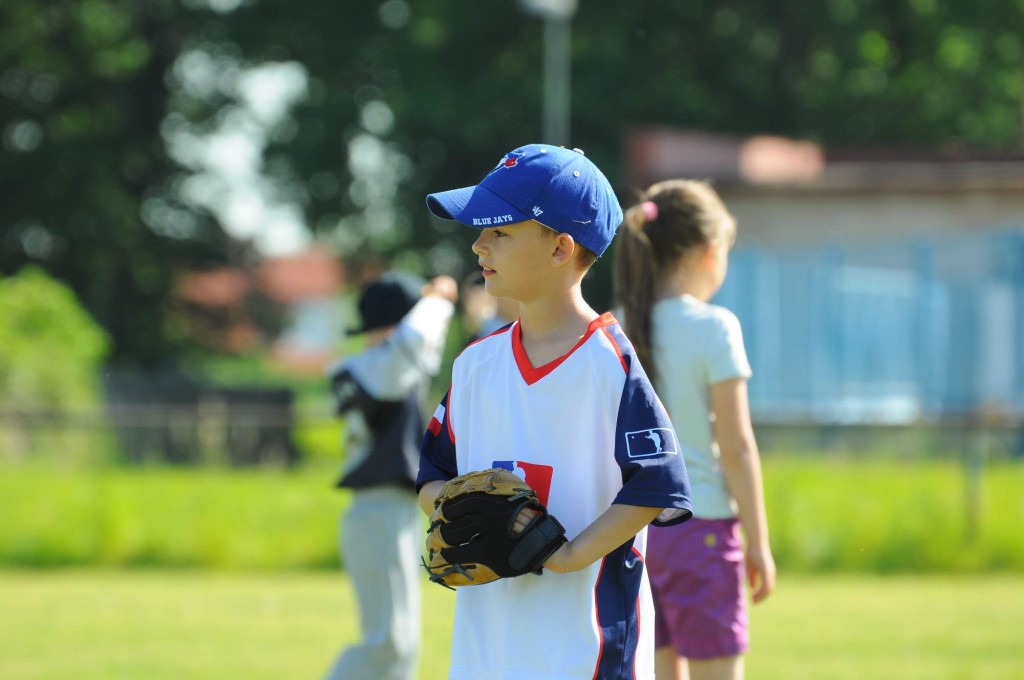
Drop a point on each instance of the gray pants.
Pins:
(381, 542)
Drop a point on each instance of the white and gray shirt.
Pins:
(380, 393)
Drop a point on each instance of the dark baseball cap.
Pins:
(387, 299)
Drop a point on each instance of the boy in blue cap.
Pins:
(557, 397)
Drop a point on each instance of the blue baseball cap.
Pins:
(558, 187)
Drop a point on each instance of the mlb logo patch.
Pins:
(537, 476)
(657, 441)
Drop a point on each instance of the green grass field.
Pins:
(195, 625)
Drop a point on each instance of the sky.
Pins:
(226, 164)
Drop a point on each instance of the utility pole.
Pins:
(557, 16)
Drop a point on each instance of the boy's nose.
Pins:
(478, 246)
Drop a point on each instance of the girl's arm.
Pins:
(741, 465)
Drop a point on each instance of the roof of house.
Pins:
(766, 163)
(314, 274)
(221, 287)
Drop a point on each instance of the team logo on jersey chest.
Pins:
(658, 441)
(537, 476)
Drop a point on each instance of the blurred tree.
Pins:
(407, 97)
(50, 348)
(841, 71)
(87, 180)
(401, 99)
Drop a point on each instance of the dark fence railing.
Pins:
(222, 427)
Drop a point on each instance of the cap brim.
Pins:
(475, 207)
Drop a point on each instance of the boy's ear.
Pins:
(564, 249)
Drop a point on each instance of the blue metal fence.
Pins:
(892, 333)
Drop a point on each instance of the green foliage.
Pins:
(50, 355)
(83, 95)
(884, 516)
(404, 98)
(157, 517)
(458, 88)
(50, 348)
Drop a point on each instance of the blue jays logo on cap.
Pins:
(557, 187)
(509, 160)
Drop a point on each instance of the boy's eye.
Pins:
(499, 233)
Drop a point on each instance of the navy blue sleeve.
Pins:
(437, 452)
(653, 471)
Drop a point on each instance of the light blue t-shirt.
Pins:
(696, 345)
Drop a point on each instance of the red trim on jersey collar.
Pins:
(501, 330)
(531, 374)
(618, 350)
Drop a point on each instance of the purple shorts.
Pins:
(697, 574)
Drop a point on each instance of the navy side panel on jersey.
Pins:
(615, 596)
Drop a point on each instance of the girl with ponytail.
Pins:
(672, 258)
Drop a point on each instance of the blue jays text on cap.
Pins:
(558, 187)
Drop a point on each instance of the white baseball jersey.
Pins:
(696, 345)
(585, 431)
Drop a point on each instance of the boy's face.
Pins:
(377, 336)
(515, 259)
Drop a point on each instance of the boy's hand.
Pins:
(523, 518)
(442, 286)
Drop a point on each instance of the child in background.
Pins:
(380, 393)
(484, 312)
(672, 258)
(558, 398)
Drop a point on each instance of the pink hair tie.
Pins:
(650, 210)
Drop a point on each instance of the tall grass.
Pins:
(168, 517)
(825, 515)
(874, 515)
